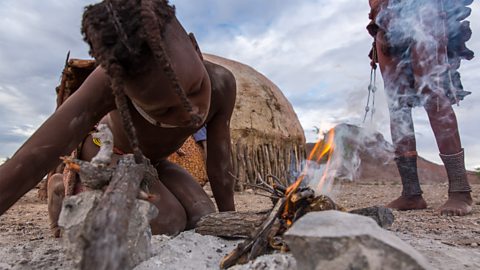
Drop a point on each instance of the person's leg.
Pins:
(444, 125)
(171, 218)
(187, 191)
(402, 131)
(430, 67)
(396, 73)
(56, 193)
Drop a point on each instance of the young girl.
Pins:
(152, 71)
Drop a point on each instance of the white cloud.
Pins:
(314, 50)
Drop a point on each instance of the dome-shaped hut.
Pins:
(267, 137)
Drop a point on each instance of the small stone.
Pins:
(382, 215)
(474, 244)
(278, 261)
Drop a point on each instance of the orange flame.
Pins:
(321, 149)
(328, 149)
(293, 187)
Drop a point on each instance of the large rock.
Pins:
(338, 240)
(76, 209)
(267, 137)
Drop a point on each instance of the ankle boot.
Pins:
(407, 167)
(456, 172)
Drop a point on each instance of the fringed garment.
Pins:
(401, 20)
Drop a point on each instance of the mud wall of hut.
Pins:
(267, 137)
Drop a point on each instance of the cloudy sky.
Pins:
(314, 50)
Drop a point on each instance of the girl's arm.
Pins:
(218, 142)
(57, 136)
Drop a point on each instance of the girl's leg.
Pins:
(171, 218)
(187, 191)
(55, 193)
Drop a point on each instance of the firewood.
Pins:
(231, 224)
(242, 252)
(291, 203)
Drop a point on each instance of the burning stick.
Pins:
(291, 203)
(240, 254)
(295, 201)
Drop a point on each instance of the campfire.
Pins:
(290, 204)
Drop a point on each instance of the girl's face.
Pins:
(158, 101)
(157, 96)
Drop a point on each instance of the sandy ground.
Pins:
(447, 242)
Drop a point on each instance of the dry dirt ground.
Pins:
(447, 242)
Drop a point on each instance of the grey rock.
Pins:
(338, 240)
(75, 211)
(277, 261)
(382, 215)
(139, 232)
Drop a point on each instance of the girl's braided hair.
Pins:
(122, 35)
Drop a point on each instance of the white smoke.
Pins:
(351, 144)
(418, 35)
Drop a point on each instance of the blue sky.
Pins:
(314, 50)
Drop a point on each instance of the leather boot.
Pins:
(407, 167)
(456, 172)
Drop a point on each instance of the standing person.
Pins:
(151, 71)
(419, 45)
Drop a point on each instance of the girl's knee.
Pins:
(171, 218)
(201, 209)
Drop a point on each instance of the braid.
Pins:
(116, 73)
(122, 105)
(121, 43)
(113, 39)
(109, 44)
(118, 27)
(154, 20)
